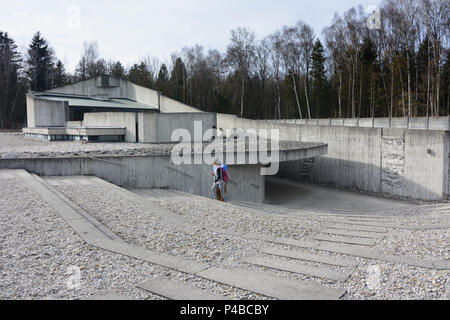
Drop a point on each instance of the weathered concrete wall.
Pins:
(430, 123)
(426, 164)
(45, 113)
(167, 123)
(114, 119)
(245, 183)
(158, 127)
(394, 162)
(288, 132)
(30, 112)
(89, 88)
(353, 158)
(147, 127)
(169, 105)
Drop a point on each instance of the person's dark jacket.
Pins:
(219, 175)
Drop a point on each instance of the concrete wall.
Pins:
(393, 162)
(169, 122)
(46, 113)
(288, 132)
(430, 123)
(169, 105)
(152, 127)
(117, 119)
(245, 183)
(147, 127)
(89, 88)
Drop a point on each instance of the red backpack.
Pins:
(225, 175)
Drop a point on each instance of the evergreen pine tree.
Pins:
(10, 82)
(318, 79)
(163, 79)
(177, 82)
(39, 63)
(117, 70)
(140, 75)
(60, 75)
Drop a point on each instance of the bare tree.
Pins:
(276, 56)
(435, 16)
(306, 39)
(262, 53)
(240, 55)
(290, 49)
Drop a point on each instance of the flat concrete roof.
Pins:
(78, 131)
(96, 102)
(288, 151)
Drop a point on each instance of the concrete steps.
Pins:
(310, 257)
(345, 239)
(370, 253)
(99, 236)
(295, 267)
(174, 290)
(270, 285)
(107, 295)
(355, 228)
(361, 234)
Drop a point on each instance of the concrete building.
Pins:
(108, 109)
(112, 109)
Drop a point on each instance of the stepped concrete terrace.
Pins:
(167, 244)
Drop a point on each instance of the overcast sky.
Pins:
(128, 30)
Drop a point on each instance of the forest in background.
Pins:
(394, 62)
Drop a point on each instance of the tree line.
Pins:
(397, 65)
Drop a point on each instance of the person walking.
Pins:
(219, 182)
(225, 175)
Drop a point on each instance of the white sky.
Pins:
(128, 30)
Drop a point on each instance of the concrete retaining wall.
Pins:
(430, 123)
(288, 132)
(245, 183)
(394, 162)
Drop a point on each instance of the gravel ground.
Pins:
(220, 215)
(116, 210)
(37, 247)
(23, 147)
(132, 222)
(423, 244)
(17, 145)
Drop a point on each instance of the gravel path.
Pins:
(37, 247)
(133, 223)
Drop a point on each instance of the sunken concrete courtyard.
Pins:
(77, 236)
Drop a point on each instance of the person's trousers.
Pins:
(221, 186)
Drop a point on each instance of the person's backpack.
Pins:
(225, 175)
